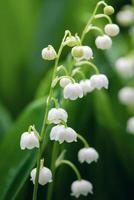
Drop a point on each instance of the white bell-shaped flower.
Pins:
(73, 91)
(82, 53)
(81, 187)
(29, 140)
(45, 176)
(86, 86)
(125, 67)
(61, 133)
(130, 125)
(49, 53)
(88, 155)
(56, 115)
(108, 10)
(72, 41)
(99, 81)
(64, 82)
(103, 42)
(112, 29)
(126, 96)
(126, 17)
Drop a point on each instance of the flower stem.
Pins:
(89, 64)
(44, 126)
(83, 140)
(70, 164)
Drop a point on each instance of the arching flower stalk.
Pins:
(72, 89)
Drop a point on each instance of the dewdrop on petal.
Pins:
(112, 29)
(73, 91)
(45, 176)
(86, 86)
(125, 67)
(29, 140)
(126, 95)
(81, 187)
(61, 133)
(55, 115)
(103, 42)
(130, 125)
(88, 155)
(64, 82)
(82, 53)
(49, 53)
(108, 10)
(99, 81)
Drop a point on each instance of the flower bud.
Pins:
(29, 140)
(60, 133)
(126, 96)
(45, 176)
(82, 52)
(81, 187)
(72, 41)
(55, 115)
(87, 155)
(108, 10)
(49, 53)
(64, 82)
(73, 91)
(130, 125)
(103, 42)
(99, 81)
(112, 29)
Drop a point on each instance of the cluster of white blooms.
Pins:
(130, 125)
(81, 187)
(126, 96)
(88, 155)
(125, 17)
(45, 176)
(125, 67)
(73, 88)
(73, 91)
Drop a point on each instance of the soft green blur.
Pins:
(26, 27)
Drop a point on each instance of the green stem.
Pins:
(89, 64)
(70, 164)
(95, 28)
(103, 16)
(91, 19)
(44, 126)
(83, 140)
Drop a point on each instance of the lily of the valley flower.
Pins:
(126, 16)
(103, 42)
(45, 176)
(130, 125)
(56, 115)
(73, 91)
(126, 95)
(82, 52)
(61, 133)
(88, 155)
(125, 67)
(64, 82)
(99, 81)
(49, 53)
(112, 29)
(81, 187)
(86, 86)
(29, 140)
(108, 10)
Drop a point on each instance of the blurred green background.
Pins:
(26, 27)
